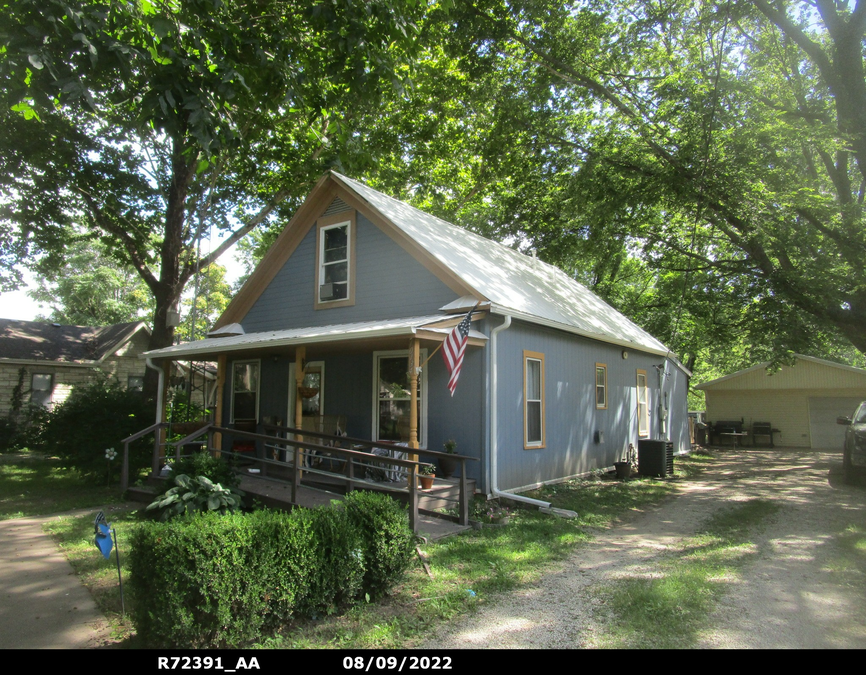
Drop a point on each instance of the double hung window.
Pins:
(642, 404)
(245, 390)
(335, 261)
(533, 400)
(41, 389)
(600, 386)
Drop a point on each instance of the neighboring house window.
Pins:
(135, 383)
(245, 390)
(392, 398)
(600, 386)
(41, 388)
(335, 262)
(533, 399)
(642, 404)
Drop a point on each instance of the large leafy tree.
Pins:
(153, 121)
(723, 142)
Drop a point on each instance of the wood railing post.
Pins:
(464, 494)
(124, 470)
(154, 465)
(296, 475)
(413, 499)
(350, 473)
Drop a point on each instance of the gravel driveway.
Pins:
(805, 588)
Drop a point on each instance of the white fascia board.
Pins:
(531, 318)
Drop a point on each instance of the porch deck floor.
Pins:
(278, 494)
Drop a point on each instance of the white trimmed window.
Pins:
(642, 404)
(533, 400)
(41, 389)
(600, 386)
(335, 248)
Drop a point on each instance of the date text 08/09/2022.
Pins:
(356, 663)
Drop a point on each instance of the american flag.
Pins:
(455, 345)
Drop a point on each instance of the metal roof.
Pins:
(525, 287)
(295, 336)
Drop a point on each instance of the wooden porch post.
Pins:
(300, 357)
(218, 415)
(414, 362)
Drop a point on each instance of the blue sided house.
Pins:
(358, 293)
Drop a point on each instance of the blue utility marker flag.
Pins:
(102, 530)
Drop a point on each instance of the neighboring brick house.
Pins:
(49, 360)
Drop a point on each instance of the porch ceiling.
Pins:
(352, 334)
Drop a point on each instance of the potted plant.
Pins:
(498, 515)
(624, 467)
(448, 465)
(426, 476)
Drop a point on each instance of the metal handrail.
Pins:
(124, 471)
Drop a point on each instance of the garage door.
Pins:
(822, 420)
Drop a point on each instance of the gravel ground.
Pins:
(804, 589)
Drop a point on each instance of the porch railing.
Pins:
(352, 459)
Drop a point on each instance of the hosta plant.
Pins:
(191, 495)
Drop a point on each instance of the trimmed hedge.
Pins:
(217, 581)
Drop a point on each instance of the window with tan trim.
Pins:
(601, 386)
(642, 404)
(335, 261)
(533, 400)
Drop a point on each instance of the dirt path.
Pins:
(806, 587)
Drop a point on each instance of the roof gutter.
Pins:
(494, 445)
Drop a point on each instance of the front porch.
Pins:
(301, 478)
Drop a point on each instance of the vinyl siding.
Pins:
(571, 417)
(390, 284)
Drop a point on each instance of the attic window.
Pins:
(335, 262)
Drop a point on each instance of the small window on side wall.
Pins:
(600, 386)
(533, 400)
(642, 404)
(41, 389)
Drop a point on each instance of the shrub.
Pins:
(215, 581)
(338, 561)
(388, 541)
(95, 417)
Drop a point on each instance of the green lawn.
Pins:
(32, 485)
(467, 570)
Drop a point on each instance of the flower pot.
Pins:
(426, 481)
(448, 466)
(623, 469)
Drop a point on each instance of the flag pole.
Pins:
(471, 312)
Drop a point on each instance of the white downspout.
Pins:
(160, 388)
(494, 445)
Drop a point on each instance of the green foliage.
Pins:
(192, 495)
(223, 580)
(204, 464)
(338, 561)
(97, 416)
(388, 542)
(214, 581)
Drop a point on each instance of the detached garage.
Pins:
(801, 401)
